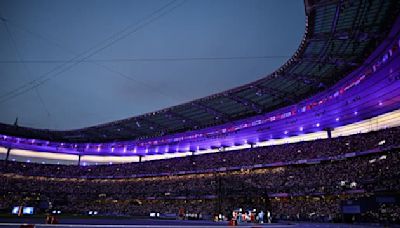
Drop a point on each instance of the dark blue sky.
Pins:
(67, 64)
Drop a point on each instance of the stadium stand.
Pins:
(309, 181)
(353, 178)
(319, 149)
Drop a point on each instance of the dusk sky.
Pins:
(67, 64)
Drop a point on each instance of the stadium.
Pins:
(314, 143)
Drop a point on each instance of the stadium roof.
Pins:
(339, 36)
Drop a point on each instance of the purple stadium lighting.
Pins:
(358, 83)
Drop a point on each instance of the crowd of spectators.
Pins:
(295, 191)
(260, 155)
(385, 214)
(307, 191)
